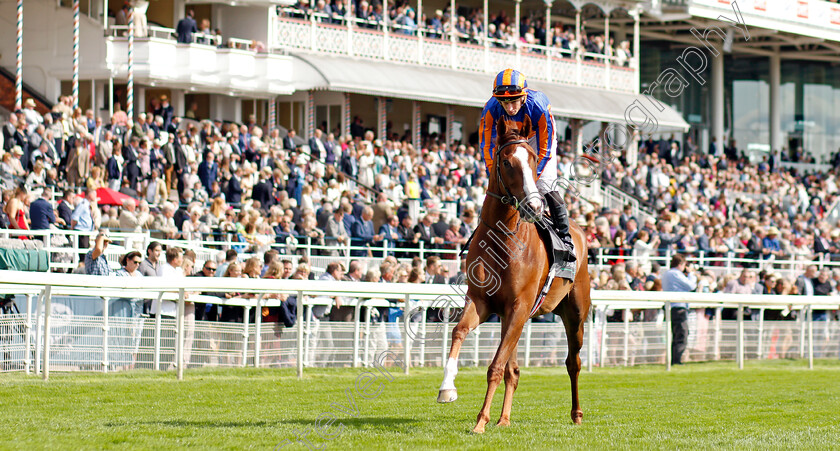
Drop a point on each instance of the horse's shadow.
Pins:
(386, 423)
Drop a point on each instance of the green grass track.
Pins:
(768, 405)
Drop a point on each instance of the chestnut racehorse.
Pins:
(507, 267)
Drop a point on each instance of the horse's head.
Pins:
(515, 165)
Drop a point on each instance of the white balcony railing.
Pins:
(356, 38)
(234, 65)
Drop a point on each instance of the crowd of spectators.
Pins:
(467, 26)
(209, 180)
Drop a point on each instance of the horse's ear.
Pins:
(525, 131)
(501, 127)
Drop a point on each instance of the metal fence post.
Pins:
(590, 353)
(39, 323)
(47, 311)
(627, 314)
(406, 338)
(668, 336)
(423, 334)
(179, 336)
(356, 331)
(257, 330)
(718, 331)
(759, 352)
(802, 321)
(527, 343)
(810, 337)
(300, 321)
(445, 330)
(105, 329)
(740, 356)
(604, 333)
(245, 335)
(157, 333)
(367, 337)
(27, 326)
(476, 346)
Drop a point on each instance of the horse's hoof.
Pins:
(445, 396)
(478, 429)
(503, 422)
(577, 417)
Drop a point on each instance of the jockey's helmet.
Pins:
(509, 83)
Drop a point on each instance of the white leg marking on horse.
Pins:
(449, 373)
(532, 194)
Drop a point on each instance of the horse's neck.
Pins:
(500, 216)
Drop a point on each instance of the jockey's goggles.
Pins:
(509, 92)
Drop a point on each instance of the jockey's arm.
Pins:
(543, 125)
(487, 138)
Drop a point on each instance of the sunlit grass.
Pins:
(778, 404)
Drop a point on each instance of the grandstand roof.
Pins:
(458, 88)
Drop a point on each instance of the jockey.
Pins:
(513, 99)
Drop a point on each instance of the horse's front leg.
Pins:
(469, 321)
(512, 325)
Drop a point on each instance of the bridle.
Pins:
(508, 198)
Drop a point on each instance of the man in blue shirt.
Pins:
(82, 217)
(41, 211)
(676, 279)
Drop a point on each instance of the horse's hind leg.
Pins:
(472, 317)
(573, 311)
(511, 382)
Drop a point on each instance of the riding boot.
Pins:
(560, 216)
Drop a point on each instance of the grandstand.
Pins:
(338, 139)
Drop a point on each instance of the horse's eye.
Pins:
(506, 163)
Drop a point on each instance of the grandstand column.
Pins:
(775, 103)
(313, 26)
(178, 102)
(632, 146)
(486, 37)
(385, 24)
(450, 119)
(717, 102)
(420, 32)
(141, 99)
(272, 114)
(110, 95)
(19, 60)
(310, 114)
(382, 118)
(548, 39)
(577, 47)
(75, 53)
(416, 118)
(607, 48)
(129, 110)
(93, 97)
(577, 135)
(636, 49)
(345, 114)
(350, 25)
(453, 18)
(516, 41)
